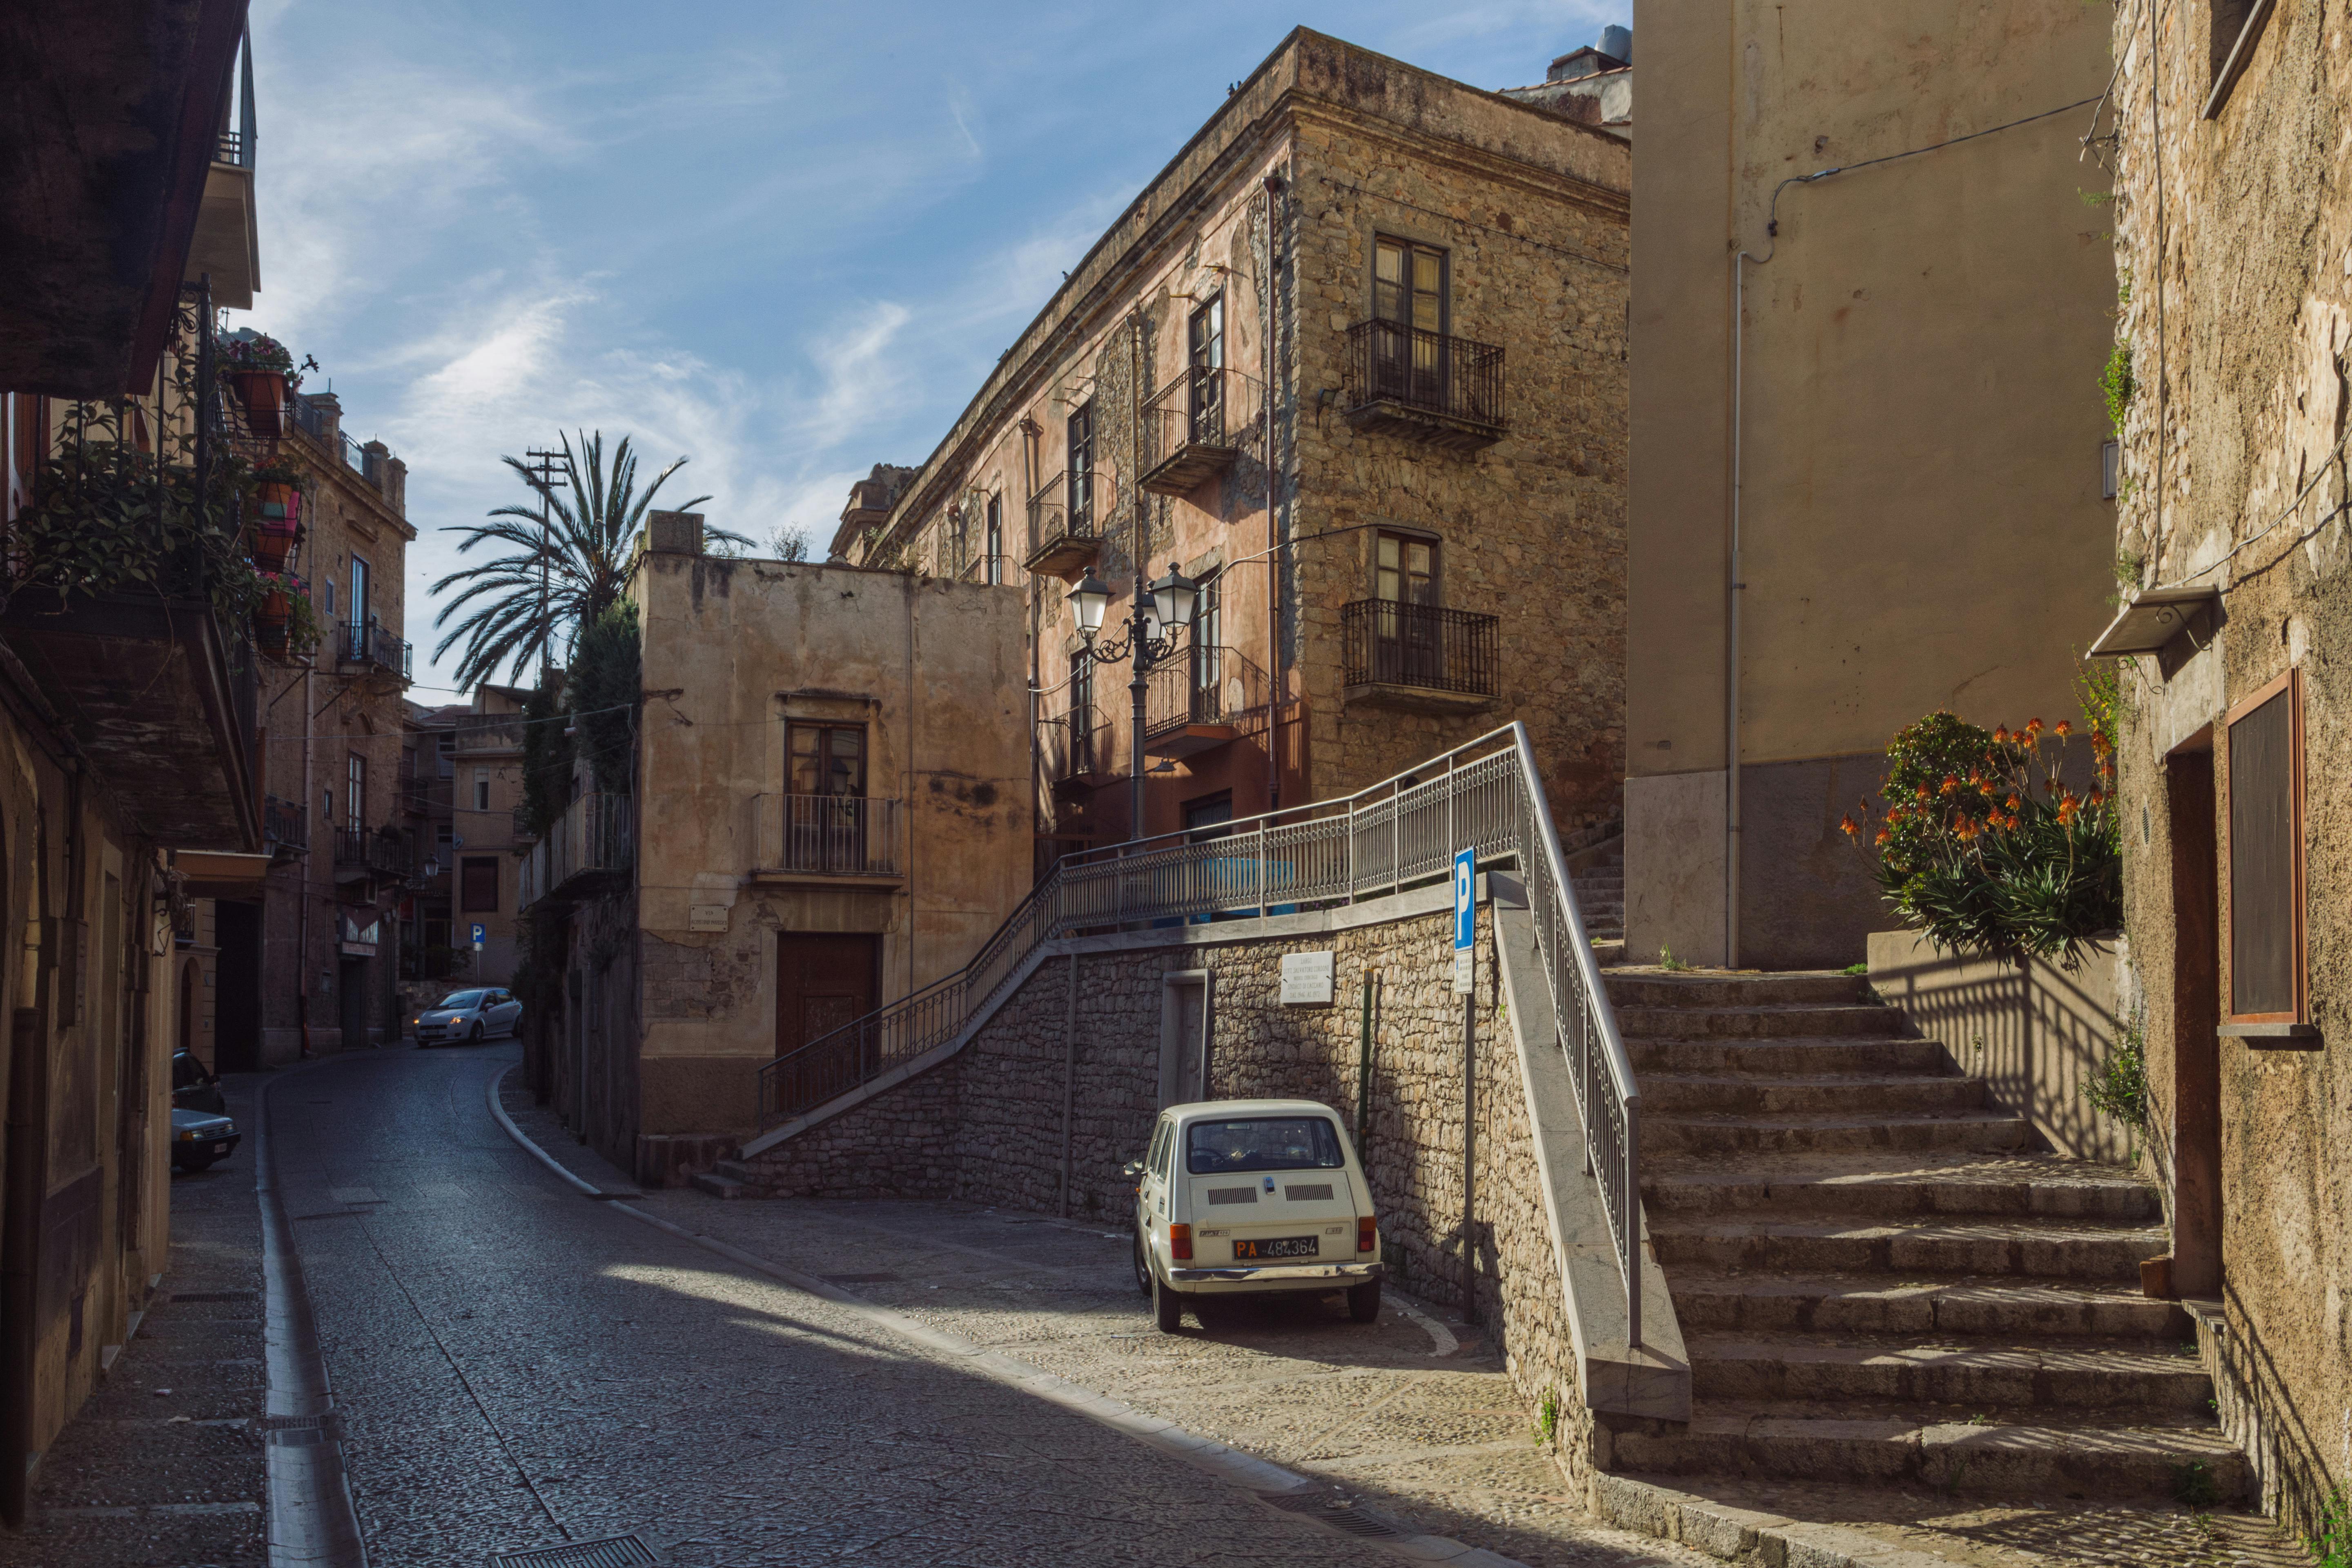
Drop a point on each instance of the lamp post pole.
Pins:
(546, 464)
(1161, 611)
(1134, 688)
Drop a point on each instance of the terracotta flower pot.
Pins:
(273, 619)
(263, 393)
(281, 505)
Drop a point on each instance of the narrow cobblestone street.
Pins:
(517, 1364)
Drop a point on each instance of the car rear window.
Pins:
(1263, 1144)
(461, 999)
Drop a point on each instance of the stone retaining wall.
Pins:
(986, 1125)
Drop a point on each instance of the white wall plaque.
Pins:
(1306, 979)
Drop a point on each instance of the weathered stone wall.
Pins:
(2238, 326)
(987, 1124)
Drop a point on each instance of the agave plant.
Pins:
(592, 514)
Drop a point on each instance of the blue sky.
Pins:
(784, 240)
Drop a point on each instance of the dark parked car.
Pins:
(200, 1137)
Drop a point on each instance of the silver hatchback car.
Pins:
(471, 1016)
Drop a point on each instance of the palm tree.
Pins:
(584, 550)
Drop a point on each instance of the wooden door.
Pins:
(822, 982)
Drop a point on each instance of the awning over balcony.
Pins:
(146, 687)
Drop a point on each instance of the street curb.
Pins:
(311, 1522)
(1744, 1536)
(1257, 1476)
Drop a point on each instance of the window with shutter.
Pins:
(477, 891)
(2265, 857)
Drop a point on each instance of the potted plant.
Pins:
(284, 623)
(262, 371)
(277, 514)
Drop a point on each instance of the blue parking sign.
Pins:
(1465, 919)
(482, 933)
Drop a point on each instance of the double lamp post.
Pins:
(1161, 613)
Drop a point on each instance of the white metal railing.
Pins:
(1487, 797)
(830, 835)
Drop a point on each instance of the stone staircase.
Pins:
(1879, 1280)
(1600, 883)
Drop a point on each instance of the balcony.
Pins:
(367, 854)
(494, 733)
(824, 838)
(588, 852)
(995, 570)
(1062, 539)
(1199, 700)
(320, 417)
(365, 647)
(285, 828)
(1426, 387)
(1423, 658)
(1186, 444)
(1077, 747)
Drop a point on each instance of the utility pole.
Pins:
(544, 466)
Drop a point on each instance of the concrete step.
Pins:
(1967, 1306)
(1798, 1056)
(1766, 1021)
(1697, 1133)
(2050, 1249)
(719, 1186)
(2075, 1372)
(1607, 949)
(1846, 1094)
(734, 1168)
(1648, 988)
(2037, 1453)
(2021, 1185)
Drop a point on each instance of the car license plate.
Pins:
(220, 1148)
(1281, 1246)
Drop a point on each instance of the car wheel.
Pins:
(476, 1038)
(1142, 1265)
(1364, 1301)
(195, 1163)
(1167, 1307)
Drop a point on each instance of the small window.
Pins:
(481, 789)
(355, 790)
(2267, 983)
(2111, 463)
(994, 546)
(448, 749)
(329, 607)
(326, 806)
(1205, 360)
(1081, 471)
(1409, 284)
(2235, 31)
(826, 758)
(1208, 812)
(444, 836)
(1405, 570)
(478, 885)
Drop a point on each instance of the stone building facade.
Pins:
(2224, 126)
(830, 814)
(1355, 362)
(1897, 505)
(322, 940)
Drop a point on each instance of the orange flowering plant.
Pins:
(1980, 843)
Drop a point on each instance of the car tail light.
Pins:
(1364, 1230)
(1179, 1241)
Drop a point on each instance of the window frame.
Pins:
(1078, 477)
(355, 771)
(2289, 686)
(2225, 69)
(465, 904)
(824, 728)
(1445, 291)
(992, 540)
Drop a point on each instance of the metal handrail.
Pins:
(1392, 642)
(1388, 361)
(1206, 684)
(1190, 411)
(1488, 796)
(832, 835)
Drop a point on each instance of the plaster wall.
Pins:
(1918, 429)
(733, 650)
(2238, 330)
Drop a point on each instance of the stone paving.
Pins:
(164, 1464)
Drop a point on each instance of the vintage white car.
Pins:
(1245, 1196)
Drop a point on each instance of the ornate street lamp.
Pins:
(1158, 615)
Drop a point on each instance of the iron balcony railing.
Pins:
(379, 851)
(1189, 412)
(994, 569)
(367, 462)
(1077, 744)
(1062, 515)
(1388, 361)
(367, 642)
(591, 844)
(1487, 796)
(826, 835)
(284, 825)
(1200, 685)
(1388, 642)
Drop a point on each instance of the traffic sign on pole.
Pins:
(1465, 920)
